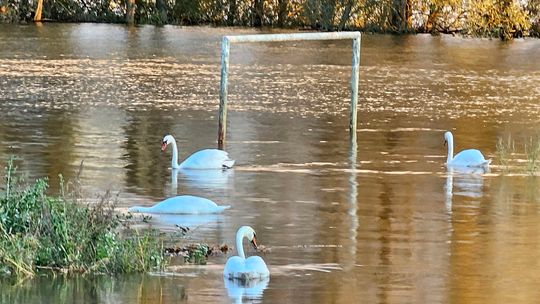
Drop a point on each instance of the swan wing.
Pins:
(234, 268)
(257, 267)
(196, 204)
(252, 268)
(470, 158)
(186, 204)
(208, 159)
(239, 268)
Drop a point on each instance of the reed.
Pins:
(532, 152)
(505, 149)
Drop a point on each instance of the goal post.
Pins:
(225, 50)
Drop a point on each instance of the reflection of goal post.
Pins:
(225, 46)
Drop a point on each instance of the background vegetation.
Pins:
(505, 19)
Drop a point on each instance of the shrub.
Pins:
(54, 232)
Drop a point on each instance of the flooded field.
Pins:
(383, 222)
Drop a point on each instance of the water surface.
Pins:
(384, 222)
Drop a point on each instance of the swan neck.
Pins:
(239, 239)
(174, 160)
(174, 180)
(450, 156)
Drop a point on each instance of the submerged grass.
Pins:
(39, 231)
(505, 148)
(531, 151)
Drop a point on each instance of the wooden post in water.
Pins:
(225, 49)
(354, 89)
(222, 129)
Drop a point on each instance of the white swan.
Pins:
(240, 268)
(465, 158)
(203, 159)
(183, 204)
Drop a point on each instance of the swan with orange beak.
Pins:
(203, 159)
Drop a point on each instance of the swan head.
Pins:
(167, 140)
(250, 234)
(448, 137)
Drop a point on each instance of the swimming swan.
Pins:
(238, 267)
(203, 159)
(183, 204)
(465, 158)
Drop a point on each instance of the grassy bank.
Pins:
(40, 231)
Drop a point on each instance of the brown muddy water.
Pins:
(383, 223)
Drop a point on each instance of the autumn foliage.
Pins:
(505, 19)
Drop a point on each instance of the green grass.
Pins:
(532, 152)
(505, 148)
(198, 254)
(40, 231)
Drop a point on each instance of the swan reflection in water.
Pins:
(250, 290)
(468, 182)
(213, 179)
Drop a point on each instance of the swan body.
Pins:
(240, 268)
(203, 159)
(183, 204)
(465, 158)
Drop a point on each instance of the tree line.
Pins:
(505, 19)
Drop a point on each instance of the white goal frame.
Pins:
(225, 50)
